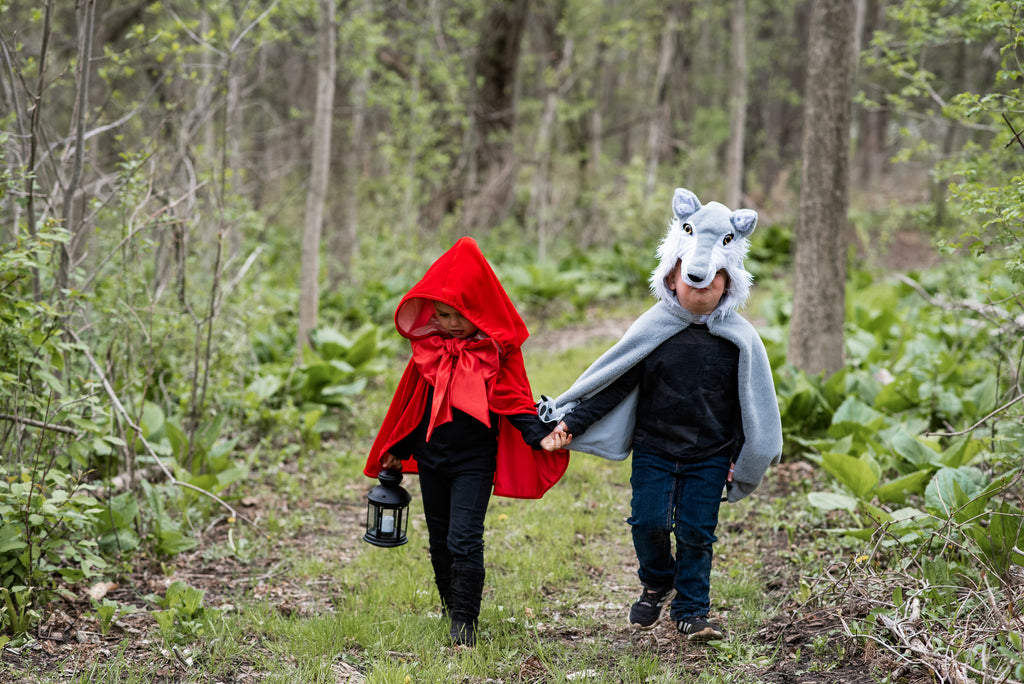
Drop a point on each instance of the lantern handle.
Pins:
(390, 477)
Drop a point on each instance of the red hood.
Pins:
(462, 279)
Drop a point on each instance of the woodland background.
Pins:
(210, 209)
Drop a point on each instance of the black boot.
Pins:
(467, 591)
(442, 563)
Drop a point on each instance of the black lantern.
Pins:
(387, 507)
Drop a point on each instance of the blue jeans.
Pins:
(684, 498)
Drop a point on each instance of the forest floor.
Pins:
(804, 645)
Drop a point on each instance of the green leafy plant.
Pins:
(45, 536)
(107, 612)
(18, 614)
(182, 616)
(337, 366)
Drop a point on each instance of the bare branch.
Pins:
(987, 311)
(39, 424)
(979, 423)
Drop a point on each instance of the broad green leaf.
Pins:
(152, 420)
(345, 390)
(980, 398)
(858, 475)
(862, 533)
(223, 448)
(899, 395)
(1000, 541)
(895, 491)
(177, 438)
(952, 488)
(309, 418)
(960, 451)
(853, 410)
(211, 431)
(262, 388)
(10, 538)
(832, 501)
(330, 343)
(878, 516)
(365, 347)
(909, 447)
(173, 542)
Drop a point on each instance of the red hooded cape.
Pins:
(477, 375)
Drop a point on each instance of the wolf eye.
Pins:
(727, 239)
(688, 229)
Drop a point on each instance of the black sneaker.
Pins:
(700, 629)
(647, 609)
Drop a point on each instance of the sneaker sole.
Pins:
(639, 625)
(706, 634)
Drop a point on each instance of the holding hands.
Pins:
(558, 439)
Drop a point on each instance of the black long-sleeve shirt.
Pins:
(464, 438)
(688, 407)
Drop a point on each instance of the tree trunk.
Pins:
(538, 209)
(345, 242)
(660, 116)
(737, 107)
(816, 329)
(68, 251)
(494, 112)
(309, 279)
(869, 150)
(35, 138)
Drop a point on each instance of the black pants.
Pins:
(454, 504)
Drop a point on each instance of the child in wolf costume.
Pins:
(688, 388)
(463, 417)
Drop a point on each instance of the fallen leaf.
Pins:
(101, 589)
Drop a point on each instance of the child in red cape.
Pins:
(463, 418)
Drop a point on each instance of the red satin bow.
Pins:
(461, 372)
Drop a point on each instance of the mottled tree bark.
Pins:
(816, 329)
(309, 278)
(494, 112)
(737, 107)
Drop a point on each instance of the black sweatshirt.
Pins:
(689, 406)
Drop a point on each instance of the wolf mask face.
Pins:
(705, 239)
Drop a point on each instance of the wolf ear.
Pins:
(743, 221)
(684, 203)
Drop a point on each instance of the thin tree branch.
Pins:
(39, 424)
(979, 423)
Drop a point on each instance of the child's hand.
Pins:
(558, 439)
(390, 462)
